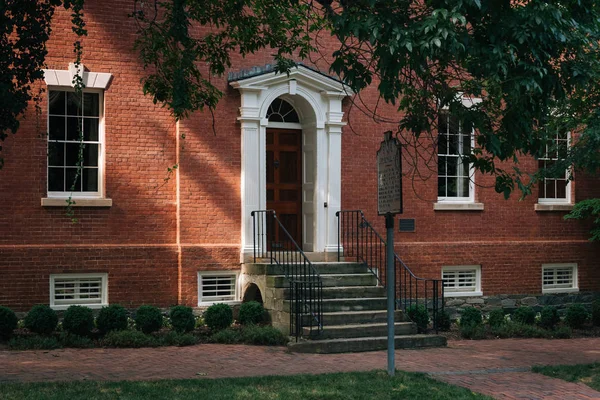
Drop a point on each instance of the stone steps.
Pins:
(359, 317)
(329, 280)
(354, 345)
(356, 304)
(360, 330)
(354, 310)
(340, 292)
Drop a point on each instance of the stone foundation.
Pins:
(510, 302)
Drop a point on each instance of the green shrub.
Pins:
(263, 335)
(470, 317)
(576, 316)
(8, 322)
(496, 318)
(227, 336)
(524, 315)
(41, 319)
(78, 320)
(182, 319)
(33, 342)
(112, 318)
(519, 330)
(148, 319)
(75, 341)
(443, 321)
(562, 332)
(596, 312)
(549, 317)
(129, 338)
(419, 315)
(218, 317)
(174, 338)
(251, 312)
(472, 331)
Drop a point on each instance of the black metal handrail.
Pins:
(305, 284)
(358, 240)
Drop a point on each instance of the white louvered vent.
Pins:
(78, 289)
(217, 287)
(462, 280)
(559, 277)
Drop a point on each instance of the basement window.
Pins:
(462, 281)
(90, 290)
(217, 287)
(559, 278)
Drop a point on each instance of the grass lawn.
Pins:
(588, 374)
(356, 385)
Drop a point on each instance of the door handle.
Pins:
(276, 164)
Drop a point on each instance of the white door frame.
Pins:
(318, 100)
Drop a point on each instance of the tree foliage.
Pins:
(534, 64)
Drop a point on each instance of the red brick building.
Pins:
(147, 235)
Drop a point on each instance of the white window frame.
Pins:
(236, 299)
(471, 293)
(101, 144)
(471, 197)
(567, 199)
(103, 296)
(574, 288)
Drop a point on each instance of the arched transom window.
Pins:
(282, 111)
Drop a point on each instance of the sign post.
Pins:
(389, 203)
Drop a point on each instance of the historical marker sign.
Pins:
(389, 176)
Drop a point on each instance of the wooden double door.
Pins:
(284, 182)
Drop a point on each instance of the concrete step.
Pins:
(329, 280)
(354, 345)
(360, 330)
(358, 304)
(359, 317)
(320, 267)
(341, 292)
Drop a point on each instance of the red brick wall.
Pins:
(135, 240)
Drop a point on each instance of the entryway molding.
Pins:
(318, 100)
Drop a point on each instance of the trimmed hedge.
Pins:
(496, 318)
(524, 315)
(78, 320)
(182, 319)
(251, 313)
(41, 319)
(8, 322)
(112, 318)
(419, 315)
(576, 316)
(218, 316)
(549, 317)
(148, 319)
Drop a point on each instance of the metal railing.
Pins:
(305, 284)
(359, 241)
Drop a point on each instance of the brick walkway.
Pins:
(494, 367)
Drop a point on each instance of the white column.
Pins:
(250, 191)
(321, 190)
(335, 186)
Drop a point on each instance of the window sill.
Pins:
(92, 306)
(562, 290)
(443, 206)
(77, 202)
(553, 207)
(210, 303)
(463, 294)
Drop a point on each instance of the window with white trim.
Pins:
(462, 280)
(559, 278)
(455, 174)
(74, 126)
(555, 188)
(217, 287)
(89, 290)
